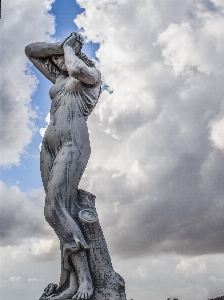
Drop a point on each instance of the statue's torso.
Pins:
(72, 102)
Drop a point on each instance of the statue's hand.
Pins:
(76, 41)
(61, 44)
(50, 289)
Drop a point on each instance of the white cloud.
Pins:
(14, 279)
(34, 273)
(157, 277)
(217, 133)
(219, 3)
(47, 4)
(19, 29)
(216, 279)
(191, 266)
(34, 279)
(45, 249)
(184, 48)
(43, 129)
(178, 46)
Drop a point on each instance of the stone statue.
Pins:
(86, 269)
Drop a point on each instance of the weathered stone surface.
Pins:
(86, 268)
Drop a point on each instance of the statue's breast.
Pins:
(69, 83)
(73, 85)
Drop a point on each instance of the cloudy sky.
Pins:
(157, 139)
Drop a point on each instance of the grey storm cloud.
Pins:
(21, 216)
(175, 214)
(157, 148)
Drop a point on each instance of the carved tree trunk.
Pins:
(108, 285)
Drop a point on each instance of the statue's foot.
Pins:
(84, 291)
(70, 291)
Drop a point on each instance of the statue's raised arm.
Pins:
(76, 67)
(40, 55)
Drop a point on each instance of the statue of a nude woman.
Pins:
(66, 149)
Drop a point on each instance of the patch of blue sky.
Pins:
(65, 15)
(26, 175)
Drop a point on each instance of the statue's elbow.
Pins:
(73, 71)
(28, 50)
(31, 49)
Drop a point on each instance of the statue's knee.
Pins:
(50, 213)
(47, 214)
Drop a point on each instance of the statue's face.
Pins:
(59, 60)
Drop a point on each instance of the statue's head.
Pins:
(56, 63)
(59, 61)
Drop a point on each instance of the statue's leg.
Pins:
(46, 163)
(47, 157)
(80, 263)
(62, 186)
(70, 291)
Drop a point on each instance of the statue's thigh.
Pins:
(67, 169)
(46, 163)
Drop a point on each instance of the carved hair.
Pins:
(86, 60)
(53, 68)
